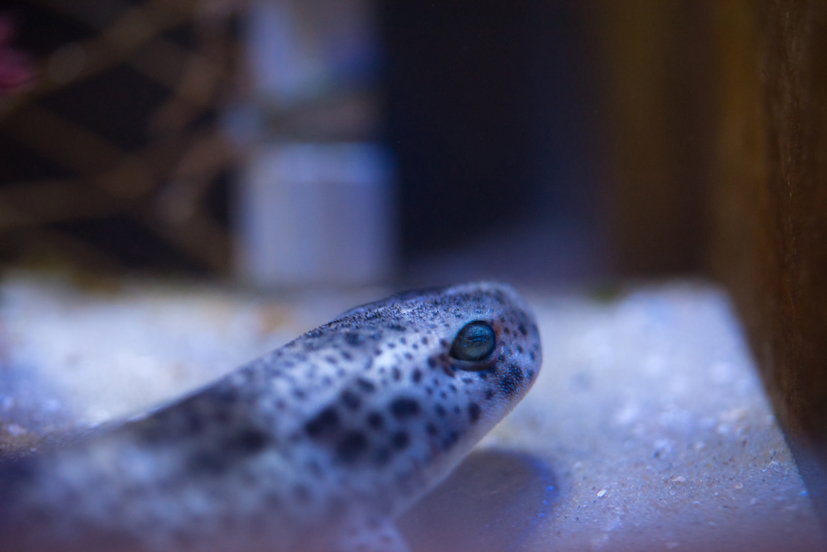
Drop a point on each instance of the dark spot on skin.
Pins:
(400, 440)
(298, 393)
(209, 463)
(351, 400)
(443, 394)
(488, 394)
(474, 411)
(440, 410)
(224, 397)
(391, 345)
(403, 341)
(531, 355)
(331, 359)
(381, 457)
(249, 441)
(352, 445)
(417, 375)
(450, 441)
(353, 339)
(195, 424)
(456, 410)
(483, 375)
(443, 343)
(396, 327)
(365, 385)
(429, 390)
(314, 468)
(397, 374)
(346, 355)
(375, 420)
(408, 356)
(17, 472)
(530, 374)
(511, 381)
(507, 330)
(223, 415)
(432, 362)
(453, 388)
(467, 380)
(404, 408)
(431, 429)
(449, 370)
(327, 421)
(424, 340)
(313, 344)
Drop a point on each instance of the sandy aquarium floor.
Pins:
(647, 429)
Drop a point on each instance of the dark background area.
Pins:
(491, 110)
(492, 115)
(498, 126)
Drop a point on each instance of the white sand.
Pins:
(648, 428)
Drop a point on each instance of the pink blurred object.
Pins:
(16, 68)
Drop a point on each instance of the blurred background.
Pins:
(283, 145)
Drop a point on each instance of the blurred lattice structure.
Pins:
(113, 156)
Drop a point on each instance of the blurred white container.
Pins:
(313, 214)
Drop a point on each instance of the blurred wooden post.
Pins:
(659, 116)
(770, 207)
(718, 139)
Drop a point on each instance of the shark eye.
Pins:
(474, 342)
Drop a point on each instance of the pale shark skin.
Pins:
(317, 446)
